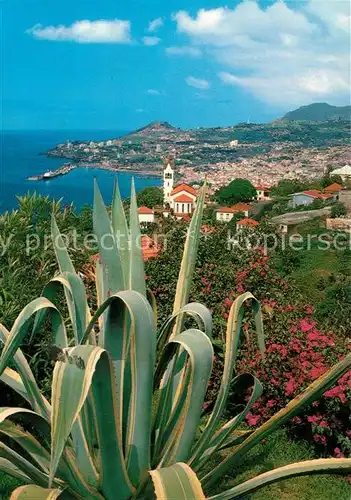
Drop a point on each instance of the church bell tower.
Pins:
(168, 181)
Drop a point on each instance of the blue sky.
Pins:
(83, 64)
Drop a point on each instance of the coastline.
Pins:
(68, 167)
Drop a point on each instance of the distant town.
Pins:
(262, 153)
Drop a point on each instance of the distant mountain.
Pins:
(155, 128)
(319, 111)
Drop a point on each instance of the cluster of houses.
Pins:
(181, 202)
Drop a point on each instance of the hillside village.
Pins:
(262, 153)
(179, 203)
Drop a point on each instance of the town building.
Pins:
(308, 197)
(225, 214)
(344, 172)
(234, 143)
(182, 198)
(246, 223)
(146, 215)
(262, 193)
(334, 189)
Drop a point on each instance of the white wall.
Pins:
(146, 218)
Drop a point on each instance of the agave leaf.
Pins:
(36, 399)
(130, 334)
(120, 229)
(319, 466)
(89, 368)
(35, 474)
(136, 272)
(28, 442)
(177, 481)
(21, 326)
(313, 392)
(63, 258)
(77, 304)
(12, 379)
(233, 335)
(8, 468)
(215, 443)
(199, 362)
(197, 311)
(32, 492)
(188, 261)
(108, 250)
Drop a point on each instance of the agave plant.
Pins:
(126, 405)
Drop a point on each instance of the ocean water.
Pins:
(20, 158)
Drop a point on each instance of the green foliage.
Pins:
(126, 427)
(237, 190)
(150, 197)
(338, 210)
(287, 186)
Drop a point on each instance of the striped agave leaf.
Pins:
(125, 414)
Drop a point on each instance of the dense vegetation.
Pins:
(306, 349)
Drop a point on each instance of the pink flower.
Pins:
(320, 439)
(228, 302)
(305, 326)
(290, 387)
(252, 419)
(271, 403)
(314, 419)
(309, 309)
(297, 420)
(338, 453)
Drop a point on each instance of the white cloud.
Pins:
(102, 31)
(184, 51)
(286, 56)
(198, 83)
(155, 25)
(150, 41)
(153, 92)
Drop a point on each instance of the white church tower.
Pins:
(168, 182)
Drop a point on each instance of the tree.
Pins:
(287, 186)
(338, 210)
(150, 197)
(329, 179)
(237, 190)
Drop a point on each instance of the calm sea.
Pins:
(20, 158)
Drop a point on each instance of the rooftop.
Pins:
(247, 222)
(145, 210)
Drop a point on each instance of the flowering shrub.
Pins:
(298, 352)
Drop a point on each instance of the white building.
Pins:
(168, 183)
(262, 193)
(234, 143)
(344, 172)
(146, 215)
(183, 199)
(225, 214)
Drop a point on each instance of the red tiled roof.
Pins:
(184, 187)
(207, 229)
(145, 210)
(314, 193)
(183, 198)
(241, 207)
(333, 188)
(227, 210)
(247, 222)
(149, 248)
(262, 188)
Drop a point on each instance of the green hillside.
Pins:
(319, 111)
